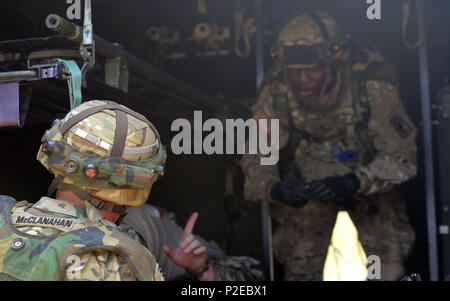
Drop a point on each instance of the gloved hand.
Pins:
(339, 189)
(290, 192)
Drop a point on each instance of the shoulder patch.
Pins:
(402, 128)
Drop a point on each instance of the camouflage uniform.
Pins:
(55, 227)
(362, 113)
(155, 232)
(109, 157)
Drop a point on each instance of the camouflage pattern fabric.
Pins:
(236, 268)
(52, 230)
(103, 124)
(125, 180)
(301, 243)
(363, 113)
(311, 35)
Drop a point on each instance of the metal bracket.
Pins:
(43, 71)
(65, 70)
(116, 73)
(87, 46)
(57, 68)
(13, 112)
(35, 72)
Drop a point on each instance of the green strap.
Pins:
(73, 75)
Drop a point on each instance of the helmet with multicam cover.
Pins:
(312, 43)
(309, 38)
(103, 151)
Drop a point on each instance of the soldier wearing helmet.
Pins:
(105, 157)
(346, 142)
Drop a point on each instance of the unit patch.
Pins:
(401, 126)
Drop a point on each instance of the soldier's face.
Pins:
(308, 81)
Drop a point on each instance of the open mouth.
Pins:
(306, 92)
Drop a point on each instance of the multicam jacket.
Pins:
(365, 117)
(57, 240)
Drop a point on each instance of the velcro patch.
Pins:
(401, 126)
(45, 222)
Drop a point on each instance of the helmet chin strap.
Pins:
(55, 183)
(109, 210)
(327, 82)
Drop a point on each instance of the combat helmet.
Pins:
(105, 153)
(310, 38)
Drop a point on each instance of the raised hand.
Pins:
(190, 253)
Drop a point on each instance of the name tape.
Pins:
(59, 222)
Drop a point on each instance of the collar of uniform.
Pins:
(50, 205)
(93, 213)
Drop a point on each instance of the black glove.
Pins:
(290, 192)
(339, 189)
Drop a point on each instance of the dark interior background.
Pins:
(197, 182)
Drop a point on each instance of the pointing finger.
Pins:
(191, 223)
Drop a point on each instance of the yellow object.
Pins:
(346, 259)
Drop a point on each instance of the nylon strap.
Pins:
(120, 135)
(73, 73)
(96, 202)
(52, 188)
(138, 116)
(320, 23)
(112, 106)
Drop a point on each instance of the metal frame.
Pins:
(265, 206)
(427, 146)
